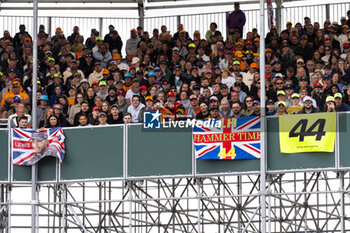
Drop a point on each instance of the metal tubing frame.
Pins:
(263, 120)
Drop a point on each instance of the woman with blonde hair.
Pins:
(227, 78)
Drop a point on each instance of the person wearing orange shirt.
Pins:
(16, 89)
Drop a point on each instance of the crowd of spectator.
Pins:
(99, 81)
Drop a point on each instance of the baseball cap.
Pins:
(306, 98)
(281, 93)
(143, 87)
(303, 37)
(193, 97)
(214, 98)
(94, 83)
(121, 92)
(149, 98)
(135, 80)
(96, 108)
(303, 79)
(157, 68)
(127, 75)
(170, 94)
(44, 97)
(329, 99)
(114, 106)
(326, 76)
(300, 60)
(295, 95)
(256, 102)
(338, 95)
(254, 65)
(102, 114)
(318, 85)
(238, 54)
(116, 56)
(276, 61)
(84, 81)
(288, 86)
(17, 98)
(151, 74)
(236, 63)
(98, 38)
(283, 103)
(105, 71)
(196, 87)
(102, 83)
(192, 45)
(207, 71)
(270, 101)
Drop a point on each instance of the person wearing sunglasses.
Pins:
(308, 107)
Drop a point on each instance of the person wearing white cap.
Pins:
(308, 107)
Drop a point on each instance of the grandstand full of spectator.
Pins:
(92, 82)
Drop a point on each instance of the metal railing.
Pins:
(317, 13)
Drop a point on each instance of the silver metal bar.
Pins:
(77, 219)
(336, 143)
(199, 196)
(125, 151)
(10, 177)
(342, 208)
(34, 123)
(263, 119)
(251, 219)
(61, 8)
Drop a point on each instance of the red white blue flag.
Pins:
(236, 138)
(30, 146)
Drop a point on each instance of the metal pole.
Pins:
(130, 206)
(279, 15)
(342, 214)
(263, 119)
(199, 196)
(10, 178)
(34, 103)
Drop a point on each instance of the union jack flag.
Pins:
(236, 138)
(23, 152)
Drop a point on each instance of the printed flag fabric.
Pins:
(307, 132)
(30, 146)
(236, 138)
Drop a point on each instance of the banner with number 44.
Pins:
(307, 132)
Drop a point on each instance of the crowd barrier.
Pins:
(131, 152)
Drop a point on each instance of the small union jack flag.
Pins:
(235, 139)
(29, 146)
